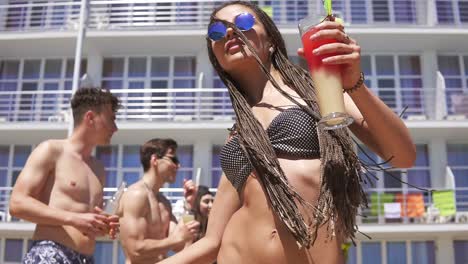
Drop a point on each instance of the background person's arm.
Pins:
(133, 228)
(30, 185)
(206, 249)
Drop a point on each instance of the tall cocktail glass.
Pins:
(327, 78)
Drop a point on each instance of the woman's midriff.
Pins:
(255, 234)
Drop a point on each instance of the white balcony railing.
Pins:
(412, 206)
(412, 211)
(137, 104)
(39, 15)
(195, 104)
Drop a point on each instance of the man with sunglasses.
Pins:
(148, 229)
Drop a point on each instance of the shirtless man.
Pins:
(61, 186)
(146, 230)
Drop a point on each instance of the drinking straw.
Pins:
(327, 4)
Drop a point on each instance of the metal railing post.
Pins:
(200, 85)
(78, 52)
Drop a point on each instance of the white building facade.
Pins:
(152, 54)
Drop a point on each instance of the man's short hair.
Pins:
(155, 146)
(93, 99)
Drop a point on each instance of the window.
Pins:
(108, 155)
(20, 155)
(380, 10)
(445, 12)
(122, 162)
(397, 79)
(103, 252)
(358, 12)
(457, 155)
(423, 252)
(295, 10)
(16, 16)
(120, 255)
(40, 80)
(351, 257)
(463, 9)
(452, 11)
(4, 168)
(185, 155)
(222, 102)
(14, 247)
(131, 165)
(186, 12)
(216, 170)
(390, 188)
(419, 174)
(159, 73)
(9, 75)
(371, 252)
(12, 160)
(396, 252)
(461, 254)
(454, 68)
(37, 14)
(284, 11)
(405, 11)
(184, 77)
(396, 11)
(4, 157)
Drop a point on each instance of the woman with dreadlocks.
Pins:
(291, 190)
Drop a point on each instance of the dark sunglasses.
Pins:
(217, 30)
(174, 159)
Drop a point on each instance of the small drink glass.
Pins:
(187, 217)
(112, 204)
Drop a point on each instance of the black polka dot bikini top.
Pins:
(292, 132)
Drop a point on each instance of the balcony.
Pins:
(172, 104)
(414, 207)
(60, 15)
(408, 205)
(207, 104)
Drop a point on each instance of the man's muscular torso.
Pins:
(72, 185)
(155, 214)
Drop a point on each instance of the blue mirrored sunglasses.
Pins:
(244, 21)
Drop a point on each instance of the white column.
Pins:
(204, 65)
(202, 155)
(438, 161)
(94, 70)
(444, 251)
(429, 69)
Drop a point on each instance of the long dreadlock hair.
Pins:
(340, 193)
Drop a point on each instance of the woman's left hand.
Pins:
(346, 51)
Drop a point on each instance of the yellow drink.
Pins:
(187, 218)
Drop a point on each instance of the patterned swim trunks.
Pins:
(47, 251)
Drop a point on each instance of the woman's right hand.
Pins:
(190, 191)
